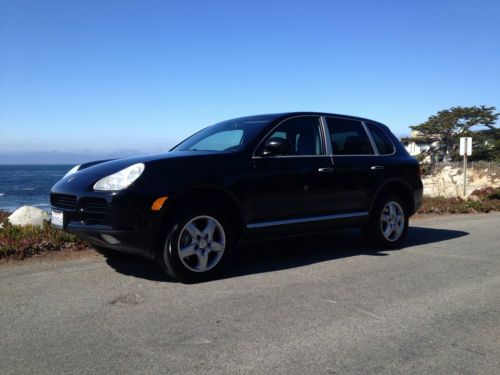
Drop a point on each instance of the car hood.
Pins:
(107, 167)
(158, 167)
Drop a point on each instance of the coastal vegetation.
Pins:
(17, 242)
(483, 200)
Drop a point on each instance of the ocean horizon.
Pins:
(28, 184)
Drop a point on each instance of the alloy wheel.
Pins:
(392, 221)
(201, 243)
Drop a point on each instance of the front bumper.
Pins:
(130, 242)
(120, 221)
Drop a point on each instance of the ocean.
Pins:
(22, 185)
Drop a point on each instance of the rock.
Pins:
(28, 215)
(449, 181)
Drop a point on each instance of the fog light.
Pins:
(110, 239)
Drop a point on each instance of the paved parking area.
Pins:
(322, 305)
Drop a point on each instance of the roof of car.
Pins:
(277, 117)
(290, 114)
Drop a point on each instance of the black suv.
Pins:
(248, 178)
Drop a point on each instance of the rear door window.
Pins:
(348, 137)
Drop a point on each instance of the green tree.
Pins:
(485, 145)
(447, 126)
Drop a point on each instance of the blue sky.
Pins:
(141, 75)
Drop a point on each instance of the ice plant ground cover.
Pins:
(18, 242)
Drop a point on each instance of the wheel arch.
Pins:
(397, 186)
(205, 194)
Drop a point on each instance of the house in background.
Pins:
(416, 146)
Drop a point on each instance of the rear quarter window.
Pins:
(384, 144)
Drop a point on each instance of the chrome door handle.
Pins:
(376, 167)
(323, 170)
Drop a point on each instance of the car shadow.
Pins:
(274, 255)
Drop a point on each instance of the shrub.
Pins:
(487, 193)
(21, 242)
(442, 205)
(494, 195)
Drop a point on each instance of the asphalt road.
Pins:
(326, 305)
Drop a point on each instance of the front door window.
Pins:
(303, 133)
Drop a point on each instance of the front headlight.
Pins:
(120, 180)
(72, 170)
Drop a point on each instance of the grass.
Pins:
(24, 242)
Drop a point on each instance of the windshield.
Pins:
(230, 135)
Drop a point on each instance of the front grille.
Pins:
(64, 201)
(97, 205)
(92, 219)
(93, 210)
(87, 210)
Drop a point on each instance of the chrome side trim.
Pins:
(326, 135)
(290, 156)
(370, 137)
(357, 155)
(306, 220)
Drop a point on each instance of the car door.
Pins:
(354, 165)
(296, 185)
(387, 166)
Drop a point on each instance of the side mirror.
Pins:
(277, 146)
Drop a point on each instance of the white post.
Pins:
(465, 175)
(465, 150)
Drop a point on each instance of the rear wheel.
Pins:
(388, 225)
(197, 245)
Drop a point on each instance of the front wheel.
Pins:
(197, 244)
(388, 225)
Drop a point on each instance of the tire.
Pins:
(197, 244)
(389, 213)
